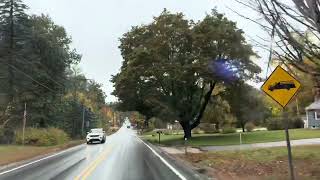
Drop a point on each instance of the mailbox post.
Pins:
(159, 133)
(185, 145)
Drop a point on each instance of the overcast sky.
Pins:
(97, 25)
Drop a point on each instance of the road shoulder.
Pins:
(184, 167)
(56, 152)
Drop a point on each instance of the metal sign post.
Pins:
(288, 144)
(185, 146)
(159, 132)
(240, 140)
(281, 87)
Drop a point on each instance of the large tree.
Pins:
(13, 29)
(35, 54)
(175, 64)
(50, 57)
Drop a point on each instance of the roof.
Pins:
(314, 106)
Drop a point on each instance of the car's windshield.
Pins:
(96, 131)
(159, 89)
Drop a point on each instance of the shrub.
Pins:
(277, 123)
(42, 137)
(2, 134)
(228, 130)
(6, 136)
(208, 128)
(159, 124)
(196, 131)
(249, 126)
(58, 136)
(297, 123)
(166, 131)
(213, 131)
(151, 125)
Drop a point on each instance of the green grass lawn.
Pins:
(265, 164)
(233, 139)
(271, 154)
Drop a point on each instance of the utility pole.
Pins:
(297, 104)
(74, 101)
(24, 122)
(113, 119)
(83, 114)
(75, 86)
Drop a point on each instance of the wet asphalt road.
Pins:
(123, 157)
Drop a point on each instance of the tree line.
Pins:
(38, 67)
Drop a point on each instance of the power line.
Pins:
(44, 68)
(28, 76)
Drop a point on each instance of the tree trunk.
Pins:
(203, 106)
(242, 126)
(188, 125)
(146, 122)
(186, 129)
(187, 133)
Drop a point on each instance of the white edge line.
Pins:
(165, 162)
(33, 162)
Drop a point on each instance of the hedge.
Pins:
(42, 137)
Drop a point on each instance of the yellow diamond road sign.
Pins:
(281, 86)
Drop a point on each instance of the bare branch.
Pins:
(252, 20)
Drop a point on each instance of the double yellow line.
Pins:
(92, 166)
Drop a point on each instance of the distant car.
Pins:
(282, 85)
(128, 127)
(95, 135)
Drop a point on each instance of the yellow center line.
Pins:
(92, 166)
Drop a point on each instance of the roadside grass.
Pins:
(233, 139)
(15, 153)
(270, 154)
(259, 163)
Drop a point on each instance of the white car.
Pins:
(96, 135)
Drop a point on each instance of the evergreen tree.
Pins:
(14, 30)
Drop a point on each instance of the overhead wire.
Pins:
(30, 77)
(50, 78)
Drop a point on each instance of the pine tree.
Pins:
(13, 22)
(13, 30)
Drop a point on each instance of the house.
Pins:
(313, 115)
